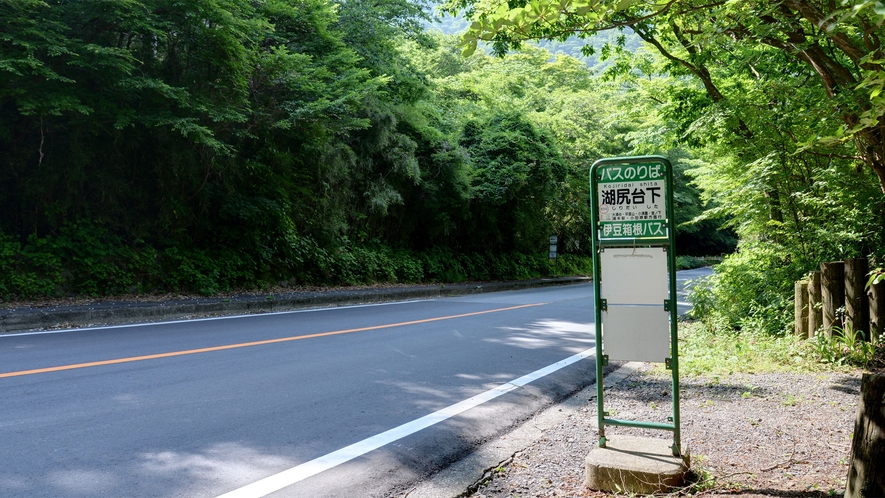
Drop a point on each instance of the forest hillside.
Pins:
(210, 145)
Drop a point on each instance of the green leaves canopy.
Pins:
(178, 97)
(840, 43)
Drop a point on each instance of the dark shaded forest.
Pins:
(210, 145)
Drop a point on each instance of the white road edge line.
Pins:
(209, 319)
(301, 472)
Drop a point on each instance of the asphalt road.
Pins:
(685, 280)
(208, 407)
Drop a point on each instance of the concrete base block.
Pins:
(635, 465)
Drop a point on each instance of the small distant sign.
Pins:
(553, 241)
(632, 201)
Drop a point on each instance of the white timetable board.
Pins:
(634, 275)
(636, 333)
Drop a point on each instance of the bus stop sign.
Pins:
(634, 273)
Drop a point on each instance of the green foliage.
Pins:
(583, 118)
(709, 352)
(876, 276)
(589, 51)
(737, 135)
(27, 272)
(845, 346)
(445, 266)
(572, 264)
(783, 146)
(515, 171)
(791, 212)
(210, 145)
(167, 104)
(750, 290)
(85, 259)
(841, 59)
(352, 266)
(692, 262)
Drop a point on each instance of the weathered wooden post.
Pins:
(832, 295)
(856, 307)
(801, 314)
(876, 301)
(815, 317)
(866, 470)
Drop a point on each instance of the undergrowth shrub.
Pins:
(206, 272)
(747, 306)
(85, 259)
(571, 264)
(845, 346)
(364, 265)
(751, 289)
(691, 262)
(27, 270)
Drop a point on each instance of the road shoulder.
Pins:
(24, 317)
(468, 474)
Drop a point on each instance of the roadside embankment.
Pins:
(43, 316)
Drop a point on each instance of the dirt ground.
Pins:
(749, 435)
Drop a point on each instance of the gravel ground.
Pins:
(749, 435)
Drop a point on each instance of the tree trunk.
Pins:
(815, 317)
(832, 287)
(856, 309)
(866, 471)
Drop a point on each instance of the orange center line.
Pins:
(249, 344)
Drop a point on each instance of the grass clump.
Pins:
(846, 347)
(705, 352)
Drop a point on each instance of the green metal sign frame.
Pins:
(632, 206)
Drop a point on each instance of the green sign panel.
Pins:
(631, 200)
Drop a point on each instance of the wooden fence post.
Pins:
(832, 295)
(866, 471)
(801, 314)
(876, 299)
(856, 307)
(815, 318)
